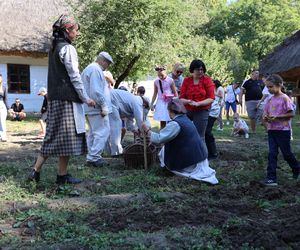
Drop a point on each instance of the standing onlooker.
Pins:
(146, 103)
(65, 132)
(3, 110)
(253, 93)
(198, 93)
(262, 102)
(232, 91)
(220, 92)
(17, 112)
(278, 113)
(213, 116)
(164, 90)
(44, 112)
(176, 75)
(97, 117)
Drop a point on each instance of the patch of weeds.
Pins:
(264, 204)
(197, 237)
(233, 221)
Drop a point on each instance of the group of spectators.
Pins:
(185, 107)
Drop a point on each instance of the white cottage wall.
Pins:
(38, 78)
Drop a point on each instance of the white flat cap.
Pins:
(42, 89)
(106, 56)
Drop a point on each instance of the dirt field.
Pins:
(115, 208)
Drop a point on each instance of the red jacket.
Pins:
(197, 92)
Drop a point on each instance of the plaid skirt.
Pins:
(61, 138)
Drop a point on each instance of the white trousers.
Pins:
(97, 136)
(3, 115)
(114, 146)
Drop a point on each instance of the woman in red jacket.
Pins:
(198, 93)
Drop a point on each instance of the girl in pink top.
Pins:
(164, 91)
(277, 114)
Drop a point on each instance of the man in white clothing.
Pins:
(128, 107)
(97, 117)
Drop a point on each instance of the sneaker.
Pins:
(270, 182)
(98, 164)
(246, 135)
(228, 123)
(33, 176)
(296, 172)
(67, 179)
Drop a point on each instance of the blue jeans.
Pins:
(279, 139)
(232, 105)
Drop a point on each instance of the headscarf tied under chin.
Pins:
(176, 106)
(59, 28)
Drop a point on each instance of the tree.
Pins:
(137, 33)
(256, 25)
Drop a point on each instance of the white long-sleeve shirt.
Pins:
(97, 88)
(68, 56)
(129, 107)
(168, 133)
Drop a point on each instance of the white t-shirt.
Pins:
(267, 93)
(231, 93)
(241, 124)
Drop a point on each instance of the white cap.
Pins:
(42, 89)
(106, 56)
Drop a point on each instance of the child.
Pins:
(164, 89)
(240, 127)
(278, 113)
(184, 153)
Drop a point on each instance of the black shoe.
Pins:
(296, 172)
(98, 164)
(269, 182)
(67, 179)
(34, 176)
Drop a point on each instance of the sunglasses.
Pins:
(178, 72)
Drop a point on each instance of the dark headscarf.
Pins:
(176, 106)
(59, 28)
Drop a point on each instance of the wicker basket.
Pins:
(134, 155)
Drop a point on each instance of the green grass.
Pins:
(203, 217)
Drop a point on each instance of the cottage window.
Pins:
(18, 78)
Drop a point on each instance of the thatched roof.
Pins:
(285, 59)
(26, 24)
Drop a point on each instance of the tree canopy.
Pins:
(230, 38)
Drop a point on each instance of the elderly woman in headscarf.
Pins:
(65, 132)
(184, 153)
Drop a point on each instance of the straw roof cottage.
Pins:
(285, 59)
(24, 43)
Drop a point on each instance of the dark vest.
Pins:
(59, 83)
(187, 148)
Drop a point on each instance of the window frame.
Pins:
(21, 72)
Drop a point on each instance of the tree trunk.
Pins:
(126, 71)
